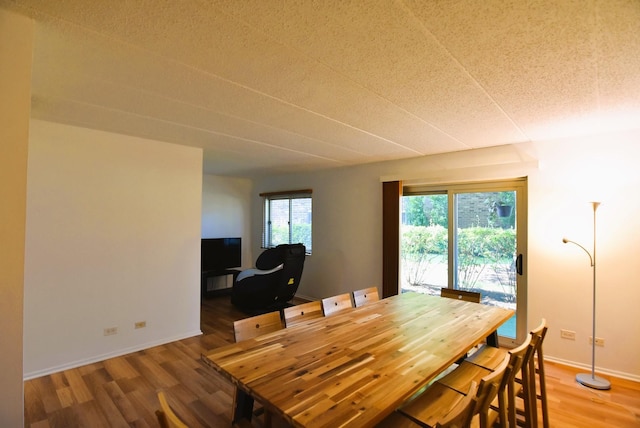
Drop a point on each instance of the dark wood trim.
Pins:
(391, 192)
(286, 193)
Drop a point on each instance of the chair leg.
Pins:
(533, 404)
(543, 391)
(504, 407)
(528, 395)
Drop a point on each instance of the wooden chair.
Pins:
(467, 296)
(366, 295)
(532, 368)
(251, 327)
(300, 313)
(166, 416)
(460, 378)
(507, 398)
(533, 381)
(436, 402)
(331, 305)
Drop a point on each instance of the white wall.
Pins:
(113, 238)
(571, 174)
(16, 41)
(347, 233)
(226, 211)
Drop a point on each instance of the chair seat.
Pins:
(397, 420)
(460, 378)
(488, 357)
(432, 405)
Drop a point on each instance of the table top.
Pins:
(355, 367)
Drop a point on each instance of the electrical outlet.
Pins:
(110, 331)
(599, 341)
(140, 324)
(568, 334)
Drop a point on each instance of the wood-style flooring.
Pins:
(121, 392)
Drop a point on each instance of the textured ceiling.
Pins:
(267, 86)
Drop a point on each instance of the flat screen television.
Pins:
(218, 254)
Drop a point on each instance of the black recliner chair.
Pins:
(274, 281)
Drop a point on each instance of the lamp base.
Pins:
(593, 381)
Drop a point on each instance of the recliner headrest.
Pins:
(294, 251)
(270, 258)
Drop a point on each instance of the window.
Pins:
(287, 218)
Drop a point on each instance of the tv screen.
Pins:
(218, 254)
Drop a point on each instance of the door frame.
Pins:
(519, 185)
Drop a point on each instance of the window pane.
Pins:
(424, 244)
(279, 222)
(301, 222)
(288, 221)
(486, 249)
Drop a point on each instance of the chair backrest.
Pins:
(251, 327)
(366, 295)
(467, 296)
(270, 258)
(460, 415)
(331, 305)
(537, 336)
(166, 416)
(488, 389)
(300, 313)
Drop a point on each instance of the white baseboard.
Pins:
(98, 358)
(307, 298)
(599, 370)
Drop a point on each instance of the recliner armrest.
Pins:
(248, 273)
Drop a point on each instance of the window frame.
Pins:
(290, 196)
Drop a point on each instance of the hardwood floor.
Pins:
(121, 392)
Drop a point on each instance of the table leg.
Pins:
(492, 339)
(244, 406)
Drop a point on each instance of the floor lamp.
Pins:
(590, 379)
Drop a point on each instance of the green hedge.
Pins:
(479, 248)
(299, 233)
(484, 242)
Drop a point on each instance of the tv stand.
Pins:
(205, 275)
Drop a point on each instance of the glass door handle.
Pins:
(519, 264)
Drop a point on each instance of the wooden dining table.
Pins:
(353, 368)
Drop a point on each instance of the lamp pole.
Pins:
(590, 379)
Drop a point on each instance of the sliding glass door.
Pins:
(470, 237)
